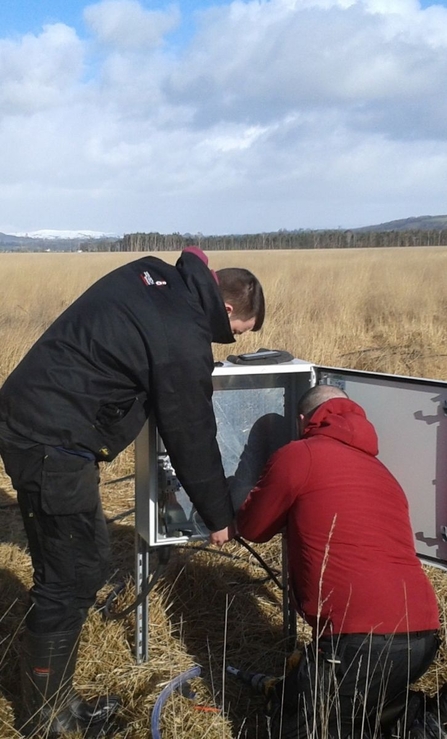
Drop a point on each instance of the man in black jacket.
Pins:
(138, 340)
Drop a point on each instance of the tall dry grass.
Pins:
(380, 310)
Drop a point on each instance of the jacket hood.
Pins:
(344, 420)
(201, 283)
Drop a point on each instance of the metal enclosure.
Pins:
(254, 408)
(255, 414)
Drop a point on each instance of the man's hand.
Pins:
(220, 537)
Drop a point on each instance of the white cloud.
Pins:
(259, 61)
(276, 114)
(124, 24)
(37, 71)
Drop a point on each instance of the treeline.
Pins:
(300, 239)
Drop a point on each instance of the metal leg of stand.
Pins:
(288, 611)
(142, 611)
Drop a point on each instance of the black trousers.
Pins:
(352, 684)
(59, 500)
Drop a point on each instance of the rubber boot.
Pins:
(50, 705)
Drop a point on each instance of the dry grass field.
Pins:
(382, 310)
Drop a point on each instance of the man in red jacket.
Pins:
(354, 573)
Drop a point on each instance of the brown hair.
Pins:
(243, 291)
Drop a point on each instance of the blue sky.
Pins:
(21, 16)
(221, 117)
(29, 16)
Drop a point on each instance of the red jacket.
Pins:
(352, 561)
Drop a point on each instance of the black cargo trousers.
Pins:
(58, 495)
(350, 685)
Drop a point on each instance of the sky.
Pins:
(214, 117)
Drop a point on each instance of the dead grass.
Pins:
(382, 310)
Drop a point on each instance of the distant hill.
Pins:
(9, 240)
(55, 235)
(421, 223)
(417, 231)
(52, 240)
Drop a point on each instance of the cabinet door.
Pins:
(410, 417)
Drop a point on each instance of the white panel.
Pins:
(411, 424)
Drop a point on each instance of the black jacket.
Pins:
(138, 339)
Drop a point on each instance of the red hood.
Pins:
(344, 420)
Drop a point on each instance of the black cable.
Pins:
(163, 559)
(149, 584)
(120, 479)
(207, 549)
(137, 602)
(263, 564)
(120, 516)
(272, 575)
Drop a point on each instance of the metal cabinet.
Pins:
(255, 408)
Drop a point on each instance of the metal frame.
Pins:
(142, 610)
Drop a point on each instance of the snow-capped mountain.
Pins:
(54, 234)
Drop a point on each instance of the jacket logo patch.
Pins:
(148, 279)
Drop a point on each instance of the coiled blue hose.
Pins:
(164, 695)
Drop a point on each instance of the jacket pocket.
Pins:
(118, 427)
(69, 483)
